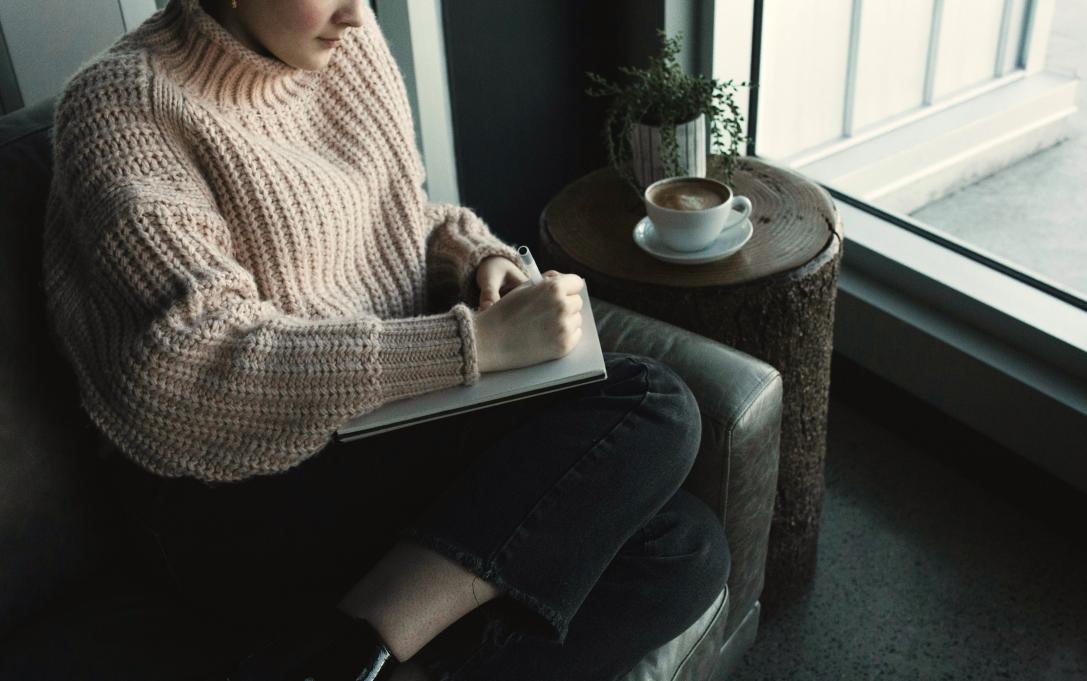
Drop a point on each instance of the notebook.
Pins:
(582, 365)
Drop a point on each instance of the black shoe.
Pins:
(329, 646)
(355, 653)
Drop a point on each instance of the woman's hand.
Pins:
(496, 277)
(530, 324)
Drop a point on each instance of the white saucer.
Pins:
(727, 243)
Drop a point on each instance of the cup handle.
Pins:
(745, 211)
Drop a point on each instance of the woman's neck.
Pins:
(213, 59)
(229, 20)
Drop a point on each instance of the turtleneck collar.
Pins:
(210, 62)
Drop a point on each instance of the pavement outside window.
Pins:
(1034, 213)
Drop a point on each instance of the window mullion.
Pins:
(1002, 41)
(851, 69)
(933, 52)
(753, 92)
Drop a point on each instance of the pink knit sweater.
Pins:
(239, 255)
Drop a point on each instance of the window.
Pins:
(931, 109)
(877, 65)
(953, 136)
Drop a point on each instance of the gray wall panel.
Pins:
(522, 123)
(10, 99)
(48, 40)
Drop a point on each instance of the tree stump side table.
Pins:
(773, 299)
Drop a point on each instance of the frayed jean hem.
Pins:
(499, 631)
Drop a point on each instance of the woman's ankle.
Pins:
(412, 594)
(392, 644)
(410, 671)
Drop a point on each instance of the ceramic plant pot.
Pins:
(645, 145)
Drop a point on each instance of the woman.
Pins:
(239, 256)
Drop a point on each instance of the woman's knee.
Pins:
(695, 537)
(671, 406)
(684, 546)
(714, 549)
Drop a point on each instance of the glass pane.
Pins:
(1000, 167)
(732, 48)
(969, 33)
(891, 58)
(805, 48)
(1048, 238)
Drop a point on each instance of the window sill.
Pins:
(995, 353)
(927, 154)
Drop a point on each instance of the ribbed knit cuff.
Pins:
(420, 354)
(467, 325)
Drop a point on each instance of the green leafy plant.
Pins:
(663, 95)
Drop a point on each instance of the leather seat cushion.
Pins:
(690, 656)
(56, 525)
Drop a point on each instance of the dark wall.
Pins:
(523, 126)
(10, 97)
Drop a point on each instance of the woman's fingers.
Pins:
(566, 283)
(574, 304)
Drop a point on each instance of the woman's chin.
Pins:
(315, 61)
(316, 65)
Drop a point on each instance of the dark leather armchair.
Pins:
(73, 602)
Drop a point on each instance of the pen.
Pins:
(534, 275)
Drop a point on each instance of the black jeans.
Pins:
(570, 502)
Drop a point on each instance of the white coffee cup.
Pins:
(690, 212)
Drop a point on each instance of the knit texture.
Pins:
(239, 255)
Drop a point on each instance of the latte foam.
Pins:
(687, 196)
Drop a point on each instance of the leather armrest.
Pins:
(740, 400)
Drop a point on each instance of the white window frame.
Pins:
(413, 29)
(968, 335)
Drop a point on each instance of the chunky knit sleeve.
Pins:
(182, 363)
(457, 242)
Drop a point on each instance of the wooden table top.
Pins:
(593, 218)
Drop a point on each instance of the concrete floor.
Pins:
(1051, 184)
(940, 556)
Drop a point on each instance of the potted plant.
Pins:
(654, 126)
